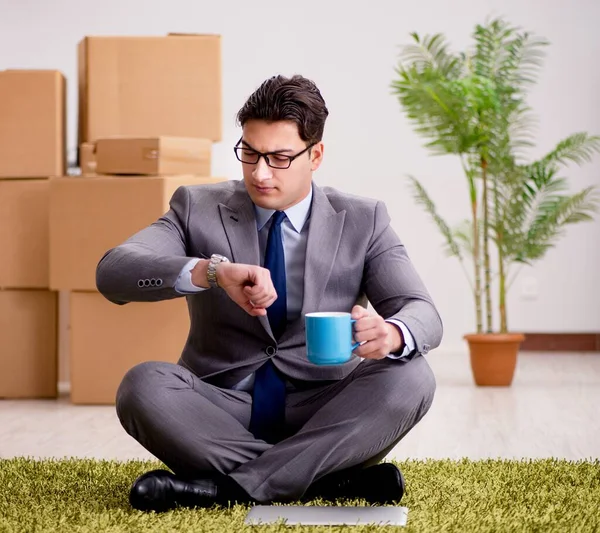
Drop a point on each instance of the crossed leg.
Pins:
(197, 429)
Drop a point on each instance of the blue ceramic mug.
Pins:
(329, 338)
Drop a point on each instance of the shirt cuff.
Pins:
(184, 283)
(409, 340)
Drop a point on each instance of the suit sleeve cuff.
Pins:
(409, 341)
(184, 283)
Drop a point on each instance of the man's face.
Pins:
(273, 188)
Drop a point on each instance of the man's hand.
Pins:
(380, 338)
(249, 286)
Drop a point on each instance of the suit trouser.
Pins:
(196, 428)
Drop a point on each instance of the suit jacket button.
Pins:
(159, 282)
(270, 350)
(146, 283)
(140, 283)
(152, 282)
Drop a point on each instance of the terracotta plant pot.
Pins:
(494, 357)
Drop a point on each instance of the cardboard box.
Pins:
(28, 344)
(89, 216)
(107, 340)
(32, 123)
(24, 233)
(154, 156)
(150, 86)
(87, 159)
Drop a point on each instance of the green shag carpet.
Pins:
(479, 496)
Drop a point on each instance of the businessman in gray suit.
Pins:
(244, 416)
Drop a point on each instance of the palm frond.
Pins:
(578, 207)
(431, 52)
(508, 59)
(506, 55)
(521, 128)
(551, 223)
(536, 209)
(521, 61)
(577, 148)
(463, 236)
(437, 109)
(422, 198)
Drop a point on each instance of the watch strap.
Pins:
(211, 272)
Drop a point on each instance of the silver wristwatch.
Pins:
(211, 272)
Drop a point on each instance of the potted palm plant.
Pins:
(473, 105)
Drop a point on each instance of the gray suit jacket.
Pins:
(352, 255)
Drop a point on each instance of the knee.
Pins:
(425, 384)
(132, 388)
(415, 385)
(139, 387)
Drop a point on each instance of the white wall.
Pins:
(351, 53)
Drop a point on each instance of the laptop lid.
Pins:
(325, 516)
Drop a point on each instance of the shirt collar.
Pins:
(297, 214)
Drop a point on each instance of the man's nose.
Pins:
(262, 171)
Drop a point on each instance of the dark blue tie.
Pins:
(268, 397)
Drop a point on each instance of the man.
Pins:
(244, 416)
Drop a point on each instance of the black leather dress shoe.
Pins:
(379, 484)
(161, 491)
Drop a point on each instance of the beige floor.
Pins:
(550, 411)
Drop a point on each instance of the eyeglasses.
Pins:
(273, 159)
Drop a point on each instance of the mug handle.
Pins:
(356, 344)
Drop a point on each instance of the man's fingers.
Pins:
(246, 306)
(258, 311)
(264, 300)
(367, 322)
(372, 332)
(359, 312)
(250, 287)
(371, 350)
(261, 299)
(253, 290)
(366, 335)
(252, 310)
(260, 284)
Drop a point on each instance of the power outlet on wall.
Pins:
(529, 288)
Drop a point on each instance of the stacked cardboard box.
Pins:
(150, 86)
(32, 150)
(149, 111)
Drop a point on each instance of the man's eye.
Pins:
(279, 158)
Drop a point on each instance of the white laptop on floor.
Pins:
(326, 516)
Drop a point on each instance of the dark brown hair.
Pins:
(297, 99)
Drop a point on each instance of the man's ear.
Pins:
(316, 156)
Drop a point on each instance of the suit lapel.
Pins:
(239, 222)
(324, 236)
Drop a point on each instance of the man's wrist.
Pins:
(199, 274)
(397, 339)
